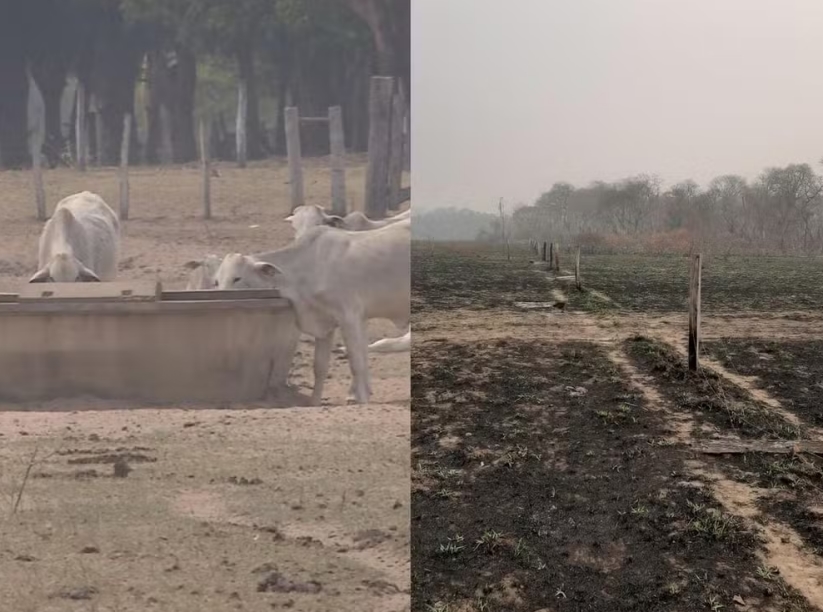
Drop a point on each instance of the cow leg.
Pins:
(322, 356)
(354, 335)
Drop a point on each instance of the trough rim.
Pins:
(91, 307)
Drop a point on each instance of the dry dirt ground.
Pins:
(246, 507)
(555, 452)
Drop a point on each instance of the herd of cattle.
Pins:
(339, 272)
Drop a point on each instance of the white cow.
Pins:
(202, 273)
(334, 278)
(305, 217)
(80, 243)
(203, 277)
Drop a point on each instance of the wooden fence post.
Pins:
(377, 171)
(577, 271)
(124, 168)
(81, 134)
(37, 111)
(94, 109)
(544, 254)
(407, 140)
(395, 171)
(695, 282)
(242, 112)
(37, 177)
(292, 118)
(337, 150)
(557, 258)
(167, 144)
(551, 255)
(205, 162)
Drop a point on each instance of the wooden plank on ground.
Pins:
(784, 447)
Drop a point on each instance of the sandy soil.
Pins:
(247, 507)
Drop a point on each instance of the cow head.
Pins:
(238, 271)
(202, 272)
(64, 268)
(303, 218)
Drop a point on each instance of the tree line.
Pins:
(781, 211)
(153, 59)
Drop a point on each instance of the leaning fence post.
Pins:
(694, 311)
(206, 169)
(124, 168)
(240, 128)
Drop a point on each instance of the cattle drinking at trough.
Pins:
(202, 278)
(202, 273)
(334, 279)
(80, 243)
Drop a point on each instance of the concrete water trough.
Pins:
(134, 341)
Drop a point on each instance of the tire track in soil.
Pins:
(749, 384)
(682, 425)
(784, 547)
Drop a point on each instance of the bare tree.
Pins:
(793, 194)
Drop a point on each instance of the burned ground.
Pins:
(556, 461)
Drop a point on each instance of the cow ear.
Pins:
(334, 221)
(87, 276)
(193, 265)
(41, 276)
(267, 269)
(290, 217)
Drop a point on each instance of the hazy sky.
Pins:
(510, 96)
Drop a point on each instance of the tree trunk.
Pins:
(390, 25)
(172, 80)
(13, 103)
(355, 101)
(284, 52)
(116, 100)
(254, 140)
(51, 79)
